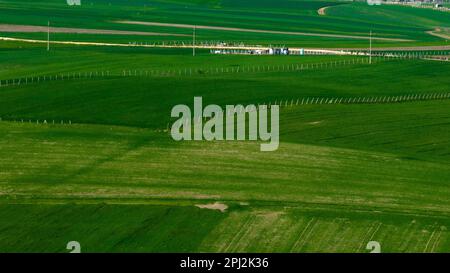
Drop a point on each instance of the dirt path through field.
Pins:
(322, 11)
(262, 31)
(30, 29)
(418, 48)
(215, 206)
(128, 45)
(438, 32)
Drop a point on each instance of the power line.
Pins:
(48, 36)
(370, 48)
(193, 43)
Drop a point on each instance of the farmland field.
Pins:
(86, 153)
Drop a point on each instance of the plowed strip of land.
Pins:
(322, 11)
(30, 29)
(11, 39)
(440, 33)
(418, 48)
(262, 31)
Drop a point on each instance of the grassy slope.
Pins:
(146, 101)
(104, 228)
(152, 228)
(344, 174)
(374, 128)
(118, 162)
(20, 60)
(404, 152)
(369, 191)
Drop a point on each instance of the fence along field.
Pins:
(381, 82)
(220, 70)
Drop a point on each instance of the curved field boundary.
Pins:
(363, 100)
(33, 29)
(263, 31)
(154, 45)
(288, 103)
(439, 33)
(187, 72)
(203, 71)
(318, 51)
(298, 102)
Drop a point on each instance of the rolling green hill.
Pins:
(345, 18)
(85, 153)
(334, 184)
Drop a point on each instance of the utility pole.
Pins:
(193, 43)
(48, 36)
(370, 48)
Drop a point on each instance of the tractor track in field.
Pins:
(199, 46)
(37, 29)
(262, 31)
(11, 39)
(286, 102)
(437, 32)
(322, 11)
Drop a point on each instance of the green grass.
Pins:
(79, 160)
(114, 180)
(147, 101)
(20, 60)
(149, 228)
(374, 128)
(342, 18)
(363, 172)
(104, 228)
(378, 181)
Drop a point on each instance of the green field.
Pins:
(351, 180)
(88, 157)
(342, 17)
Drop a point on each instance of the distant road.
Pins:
(263, 31)
(322, 11)
(319, 50)
(30, 29)
(439, 33)
(130, 45)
